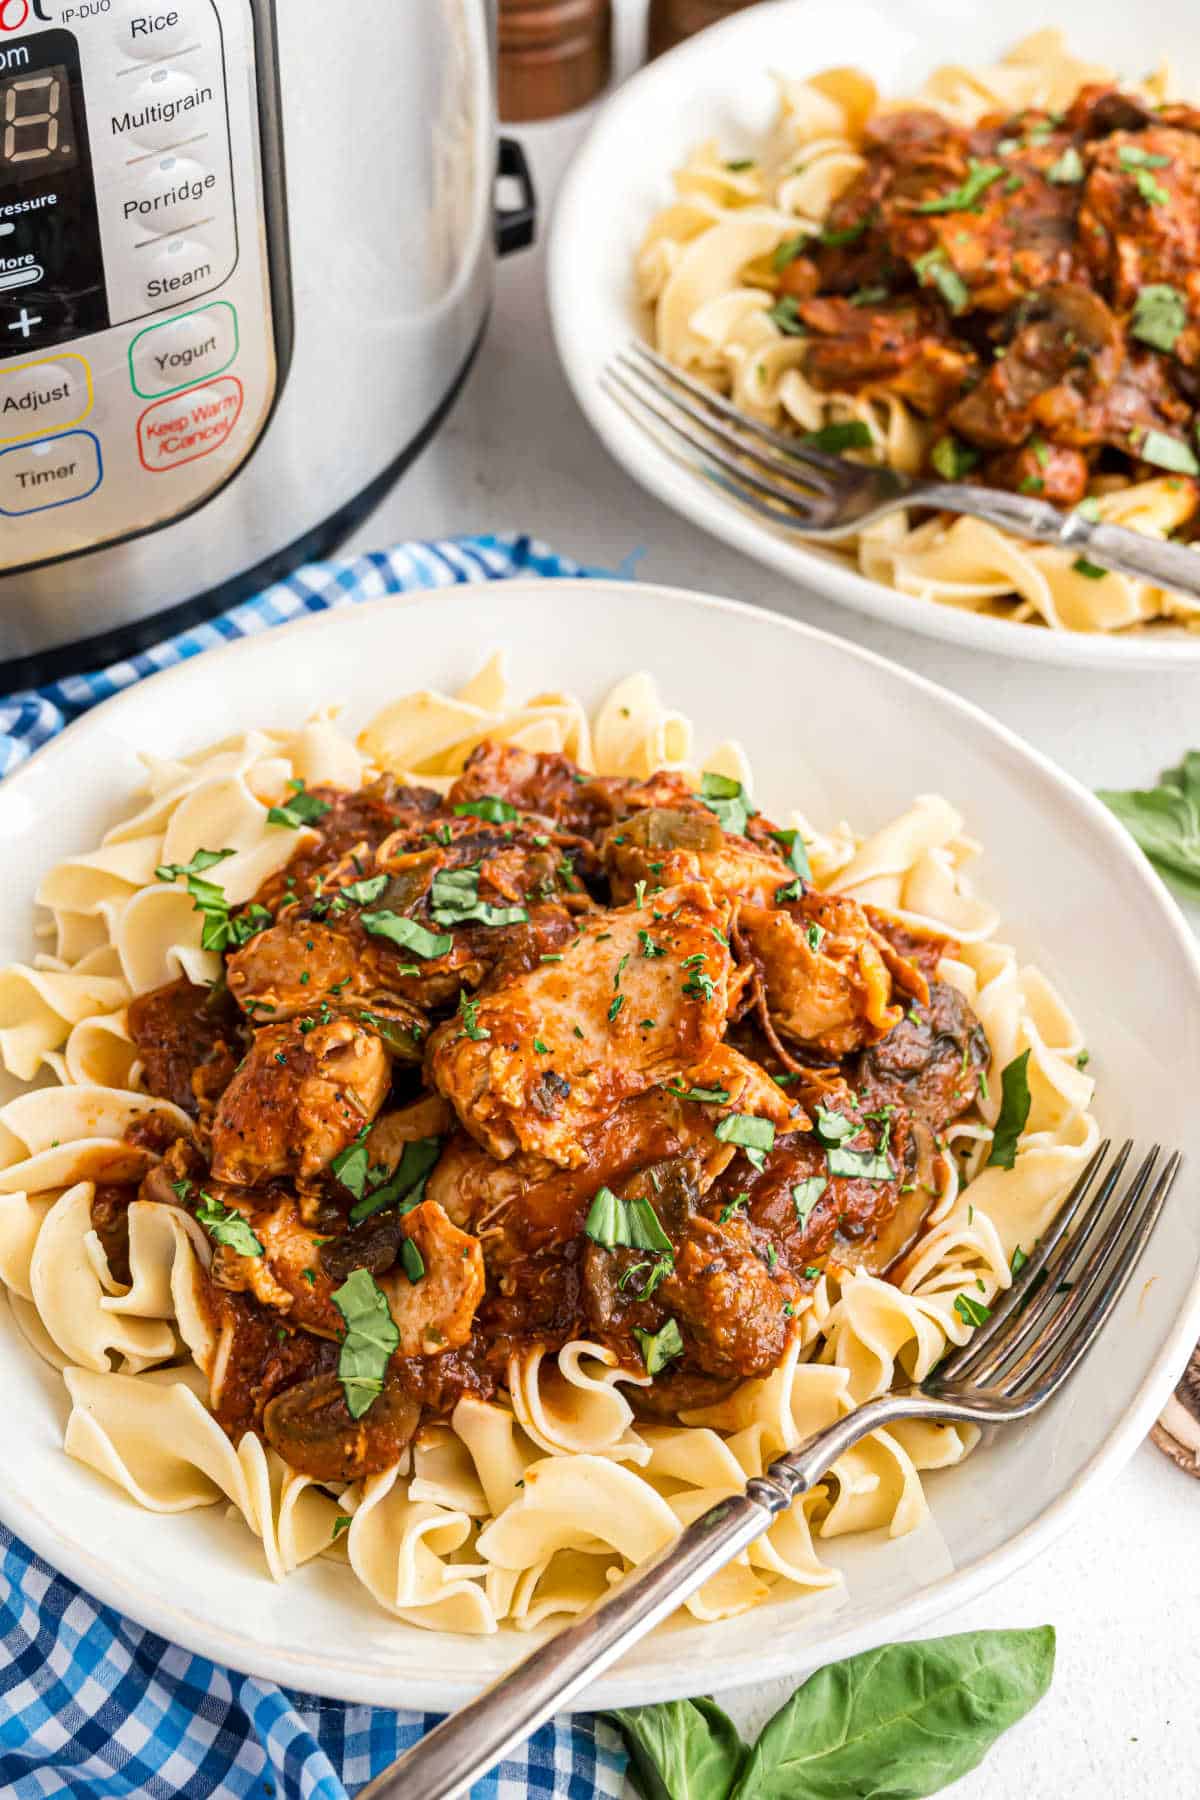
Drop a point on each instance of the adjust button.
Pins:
(51, 472)
(47, 395)
(176, 354)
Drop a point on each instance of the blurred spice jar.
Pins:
(555, 55)
(673, 20)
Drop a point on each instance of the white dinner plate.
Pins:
(830, 728)
(719, 85)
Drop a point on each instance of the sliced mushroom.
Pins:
(311, 1428)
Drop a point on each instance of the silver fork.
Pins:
(1036, 1335)
(815, 495)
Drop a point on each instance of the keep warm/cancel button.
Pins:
(187, 426)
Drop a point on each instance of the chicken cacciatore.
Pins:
(1029, 285)
(557, 1057)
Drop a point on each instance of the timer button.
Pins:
(54, 471)
(180, 352)
(147, 32)
(41, 396)
(173, 193)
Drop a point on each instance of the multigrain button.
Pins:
(51, 472)
(180, 352)
(164, 108)
(45, 395)
(189, 426)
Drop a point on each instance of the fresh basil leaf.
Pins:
(851, 434)
(302, 809)
(350, 1165)
(902, 1722)
(833, 1126)
(1014, 1113)
(979, 180)
(468, 1012)
(971, 1311)
(454, 899)
(716, 1096)
(786, 314)
(489, 807)
(849, 234)
(1092, 571)
(407, 933)
(1151, 191)
(1165, 821)
(371, 1336)
(682, 1750)
(412, 1261)
(406, 1187)
(1132, 156)
(797, 855)
(805, 1195)
(1068, 171)
(225, 1226)
(789, 250)
(934, 270)
(729, 800)
(659, 1347)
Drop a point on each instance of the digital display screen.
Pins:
(37, 127)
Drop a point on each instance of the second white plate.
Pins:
(719, 85)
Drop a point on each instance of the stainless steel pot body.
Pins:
(245, 256)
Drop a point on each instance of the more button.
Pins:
(46, 395)
(166, 358)
(55, 471)
(181, 430)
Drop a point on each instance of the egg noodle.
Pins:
(705, 268)
(524, 1509)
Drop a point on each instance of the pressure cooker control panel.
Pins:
(137, 356)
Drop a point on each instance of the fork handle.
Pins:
(465, 1746)
(1167, 565)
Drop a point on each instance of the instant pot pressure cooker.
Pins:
(245, 260)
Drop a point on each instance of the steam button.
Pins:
(171, 271)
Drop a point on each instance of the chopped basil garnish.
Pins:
(407, 933)
(953, 459)
(754, 1136)
(833, 1126)
(219, 931)
(225, 1226)
(412, 1260)
(971, 1312)
(612, 1222)
(813, 934)
(302, 809)
(805, 1195)
(1014, 1112)
(362, 893)
(659, 1347)
(1092, 570)
(786, 314)
(797, 855)
(859, 1165)
(370, 1338)
(715, 1096)
(792, 890)
(203, 859)
(850, 434)
(934, 270)
(406, 1188)
(849, 234)
(649, 947)
(1132, 156)
(789, 250)
(729, 800)
(454, 899)
(1159, 315)
(962, 199)
(350, 1165)
(1151, 191)
(489, 807)
(342, 1522)
(1068, 171)
(868, 296)
(1167, 452)
(468, 1012)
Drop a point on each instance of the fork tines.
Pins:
(1060, 1300)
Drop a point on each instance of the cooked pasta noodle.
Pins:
(704, 271)
(521, 1509)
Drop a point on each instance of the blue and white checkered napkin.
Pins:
(90, 1704)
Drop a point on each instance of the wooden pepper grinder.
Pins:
(555, 55)
(673, 20)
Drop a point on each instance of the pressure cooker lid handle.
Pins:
(515, 225)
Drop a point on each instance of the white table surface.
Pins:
(1123, 1589)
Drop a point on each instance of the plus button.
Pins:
(25, 322)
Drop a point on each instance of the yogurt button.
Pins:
(181, 352)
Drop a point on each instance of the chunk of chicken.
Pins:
(537, 781)
(828, 976)
(549, 1055)
(289, 1276)
(297, 1100)
(435, 1312)
(666, 845)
